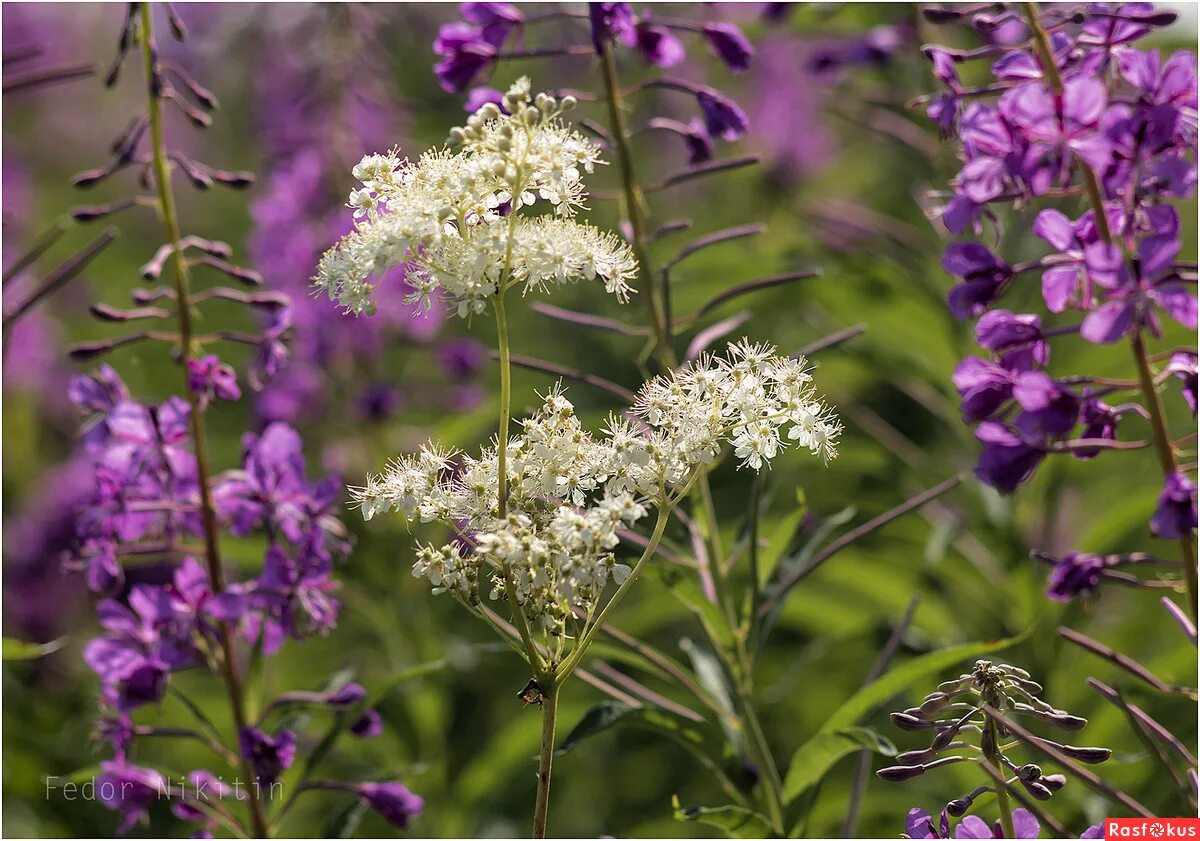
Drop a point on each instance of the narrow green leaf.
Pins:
(820, 753)
(15, 649)
(607, 714)
(712, 677)
(686, 587)
(734, 821)
(780, 538)
(796, 560)
(345, 822)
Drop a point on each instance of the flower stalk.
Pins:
(170, 221)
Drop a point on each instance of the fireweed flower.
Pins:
(152, 491)
(968, 719)
(1085, 111)
(457, 221)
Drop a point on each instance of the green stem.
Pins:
(166, 202)
(992, 756)
(633, 204)
(545, 757)
(531, 651)
(761, 752)
(1166, 454)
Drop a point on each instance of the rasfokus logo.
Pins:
(1152, 828)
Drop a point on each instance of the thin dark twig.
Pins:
(14, 82)
(701, 170)
(832, 340)
(571, 374)
(1167, 737)
(61, 275)
(40, 247)
(835, 546)
(618, 677)
(1068, 764)
(1118, 659)
(714, 238)
(588, 319)
(754, 286)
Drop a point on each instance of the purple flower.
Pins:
(1016, 338)
(1183, 367)
(1007, 460)
(128, 789)
(100, 392)
(1132, 292)
(496, 20)
(349, 695)
(919, 824)
(723, 117)
(609, 21)
(1175, 516)
(984, 387)
(465, 55)
(984, 277)
(269, 756)
(943, 111)
(1072, 129)
(1025, 825)
(1099, 423)
(1049, 408)
(657, 45)
(209, 377)
(730, 45)
(481, 96)
(394, 803)
(294, 598)
(461, 359)
(1073, 574)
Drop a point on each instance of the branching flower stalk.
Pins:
(1145, 376)
(212, 551)
(538, 513)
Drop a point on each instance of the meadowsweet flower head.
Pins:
(460, 218)
(570, 491)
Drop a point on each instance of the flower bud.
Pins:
(1053, 781)
(1092, 756)
(1029, 772)
(909, 722)
(900, 773)
(934, 703)
(958, 808)
(569, 102)
(1039, 791)
(915, 757)
(1066, 721)
(457, 137)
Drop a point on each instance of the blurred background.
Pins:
(305, 90)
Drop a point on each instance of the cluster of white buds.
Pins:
(465, 220)
(569, 492)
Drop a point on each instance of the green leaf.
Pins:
(15, 649)
(797, 560)
(812, 761)
(686, 588)
(712, 677)
(344, 822)
(734, 821)
(820, 753)
(781, 537)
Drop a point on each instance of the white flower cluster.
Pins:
(458, 218)
(569, 492)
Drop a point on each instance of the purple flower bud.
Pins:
(699, 143)
(657, 45)
(730, 45)
(1050, 409)
(984, 387)
(1092, 756)
(495, 19)
(723, 117)
(1016, 338)
(909, 722)
(1073, 574)
(461, 359)
(481, 96)
(984, 278)
(900, 773)
(347, 696)
(368, 725)
(609, 21)
(1175, 516)
(394, 803)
